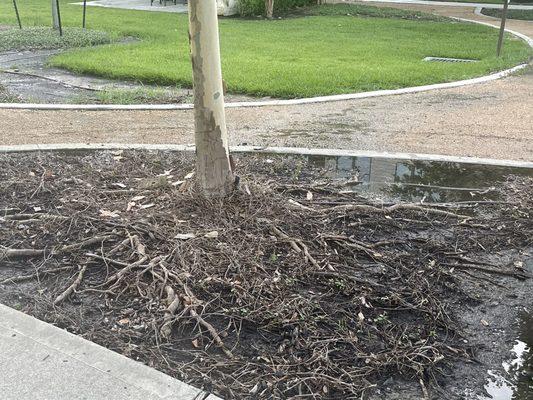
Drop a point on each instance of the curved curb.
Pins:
(478, 11)
(525, 38)
(266, 150)
(309, 100)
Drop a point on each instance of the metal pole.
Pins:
(59, 19)
(84, 10)
(502, 27)
(17, 12)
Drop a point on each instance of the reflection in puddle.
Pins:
(433, 181)
(429, 181)
(516, 382)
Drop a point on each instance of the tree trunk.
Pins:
(269, 5)
(55, 14)
(213, 169)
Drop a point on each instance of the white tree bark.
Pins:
(55, 15)
(213, 169)
(269, 6)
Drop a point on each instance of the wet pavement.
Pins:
(421, 181)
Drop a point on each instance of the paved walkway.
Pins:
(492, 120)
(40, 361)
(140, 5)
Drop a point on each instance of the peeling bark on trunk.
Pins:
(269, 6)
(214, 173)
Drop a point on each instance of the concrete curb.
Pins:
(267, 150)
(73, 364)
(525, 38)
(478, 12)
(310, 100)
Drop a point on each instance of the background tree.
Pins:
(269, 7)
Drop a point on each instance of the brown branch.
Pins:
(7, 253)
(212, 331)
(22, 278)
(519, 275)
(59, 299)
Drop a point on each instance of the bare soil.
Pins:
(294, 287)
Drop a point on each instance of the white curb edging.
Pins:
(309, 100)
(266, 150)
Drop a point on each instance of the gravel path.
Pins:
(486, 120)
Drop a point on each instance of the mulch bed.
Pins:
(294, 287)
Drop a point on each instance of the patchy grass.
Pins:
(46, 38)
(359, 10)
(292, 57)
(134, 96)
(6, 96)
(526, 15)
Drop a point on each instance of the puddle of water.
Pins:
(428, 181)
(516, 380)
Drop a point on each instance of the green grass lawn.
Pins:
(526, 15)
(341, 51)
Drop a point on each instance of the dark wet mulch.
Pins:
(294, 287)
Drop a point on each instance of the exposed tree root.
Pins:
(59, 299)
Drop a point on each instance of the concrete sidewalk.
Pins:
(40, 361)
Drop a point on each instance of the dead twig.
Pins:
(59, 299)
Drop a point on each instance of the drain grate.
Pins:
(450, 60)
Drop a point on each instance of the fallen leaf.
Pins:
(185, 236)
(118, 184)
(147, 205)
(195, 343)
(309, 196)
(124, 321)
(365, 303)
(189, 175)
(110, 214)
(37, 209)
(360, 316)
(166, 173)
(177, 183)
(211, 235)
(484, 322)
(137, 198)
